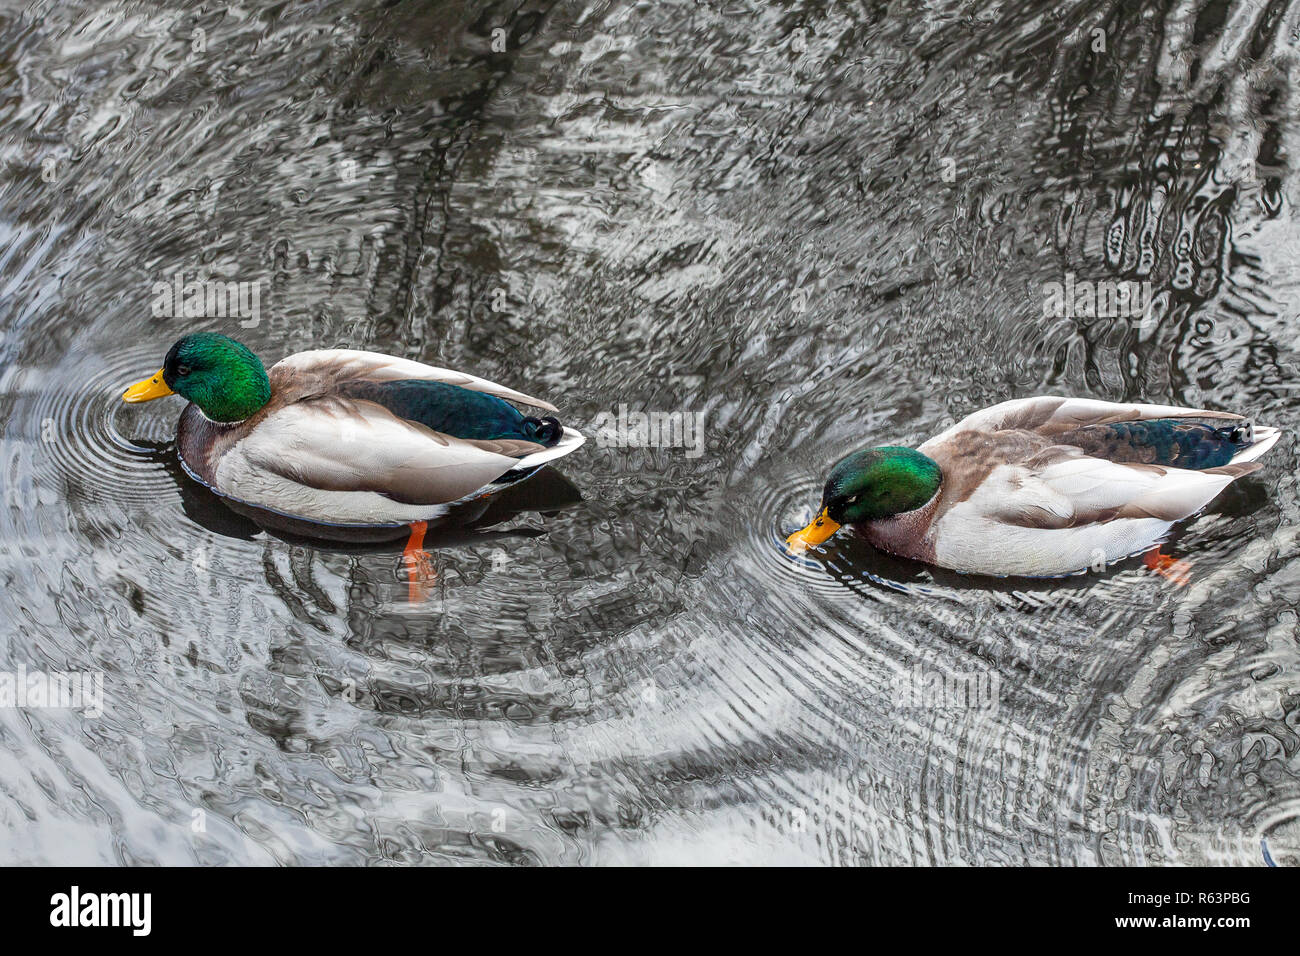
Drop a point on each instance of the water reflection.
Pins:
(818, 226)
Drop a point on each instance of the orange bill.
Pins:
(147, 390)
(822, 527)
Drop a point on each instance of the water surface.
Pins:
(818, 226)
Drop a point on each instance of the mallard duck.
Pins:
(344, 437)
(1039, 487)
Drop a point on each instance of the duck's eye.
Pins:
(183, 370)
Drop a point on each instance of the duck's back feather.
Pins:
(326, 367)
(452, 410)
(1159, 441)
(1050, 415)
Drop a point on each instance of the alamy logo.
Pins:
(68, 690)
(208, 299)
(1085, 299)
(650, 430)
(103, 909)
(924, 689)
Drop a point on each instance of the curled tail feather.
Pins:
(545, 431)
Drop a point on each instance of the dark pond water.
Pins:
(810, 227)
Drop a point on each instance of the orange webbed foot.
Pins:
(1177, 571)
(419, 567)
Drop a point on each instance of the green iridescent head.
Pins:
(870, 485)
(879, 483)
(221, 376)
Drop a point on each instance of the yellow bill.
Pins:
(147, 390)
(822, 527)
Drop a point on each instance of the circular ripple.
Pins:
(81, 433)
(829, 571)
